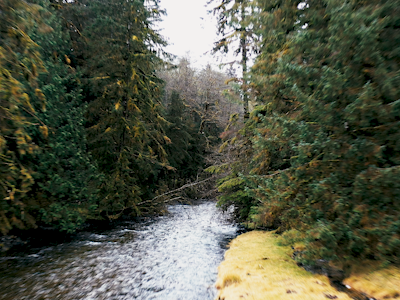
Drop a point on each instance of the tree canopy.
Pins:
(320, 152)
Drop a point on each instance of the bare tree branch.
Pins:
(177, 190)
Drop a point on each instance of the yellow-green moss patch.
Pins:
(264, 270)
(375, 281)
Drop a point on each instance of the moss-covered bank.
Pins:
(375, 280)
(256, 267)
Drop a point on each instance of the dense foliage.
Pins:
(89, 129)
(116, 48)
(198, 104)
(20, 65)
(319, 157)
(84, 133)
(187, 144)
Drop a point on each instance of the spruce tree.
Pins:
(187, 145)
(327, 154)
(65, 193)
(116, 46)
(324, 151)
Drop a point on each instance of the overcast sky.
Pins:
(188, 28)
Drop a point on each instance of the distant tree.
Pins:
(181, 78)
(200, 103)
(186, 148)
(208, 94)
(236, 30)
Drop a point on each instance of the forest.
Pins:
(99, 122)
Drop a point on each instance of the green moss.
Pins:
(256, 267)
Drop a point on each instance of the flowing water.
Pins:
(173, 257)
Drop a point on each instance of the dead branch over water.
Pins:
(178, 193)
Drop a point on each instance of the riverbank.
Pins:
(18, 242)
(257, 268)
(374, 280)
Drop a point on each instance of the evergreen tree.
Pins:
(65, 193)
(47, 176)
(236, 28)
(115, 44)
(19, 67)
(324, 158)
(327, 155)
(187, 146)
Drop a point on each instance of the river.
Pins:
(172, 257)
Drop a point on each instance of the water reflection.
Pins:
(174, 257)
